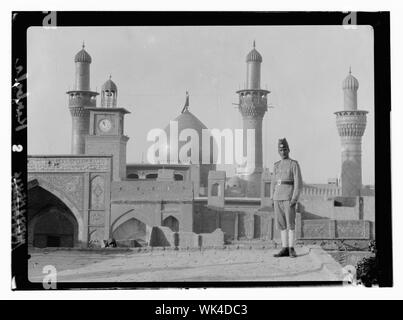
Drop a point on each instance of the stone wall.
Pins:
(138, 190)
(213, 239)
(187, 240)
(205, 220)
(338, 208)
(109, 145)
(142, 170)
(240, 220)
(334, 229)
(151, 202)
(164, 237)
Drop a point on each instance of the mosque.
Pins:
(93, 194)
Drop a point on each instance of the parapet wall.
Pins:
(329, 229)
(320, 190)
(152, 190)
(338, 208)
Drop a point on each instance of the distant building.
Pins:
(333, 181)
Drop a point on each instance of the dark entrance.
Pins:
(53, 241)
(172, 223)
(50, 221)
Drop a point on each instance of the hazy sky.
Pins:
(303, 67)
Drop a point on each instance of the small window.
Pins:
(178, 177)
(151, 176)
(215, 190)
(267, 189)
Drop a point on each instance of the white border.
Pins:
(209, 5)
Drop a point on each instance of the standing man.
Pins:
(286, 185)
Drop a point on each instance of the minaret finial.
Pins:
(186, 106)
(349, 71)
(254, 44)
(83, 44)
(110, 77)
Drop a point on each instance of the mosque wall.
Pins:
(338, 208)
(143, 171)
(152, 203)
(152, 190)
(238, 221)
(82, 183)
(165, 237)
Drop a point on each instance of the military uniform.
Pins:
(286, 187)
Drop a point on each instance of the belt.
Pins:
(284, 182)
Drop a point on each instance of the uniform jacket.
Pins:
(286, 170)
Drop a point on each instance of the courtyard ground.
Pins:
(230, 264)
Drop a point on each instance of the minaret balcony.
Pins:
(82, 98)
(351, 123)
(256, 98)
(253, 111)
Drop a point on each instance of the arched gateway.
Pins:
(52, 220)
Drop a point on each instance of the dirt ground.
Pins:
(312, 264)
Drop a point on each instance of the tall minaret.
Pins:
(351, 124)
(80, 99)
(253, 106)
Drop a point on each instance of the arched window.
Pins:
(172, 223)
(132, 176)
(152, 176)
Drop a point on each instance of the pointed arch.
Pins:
(63, 198)
(172, 223)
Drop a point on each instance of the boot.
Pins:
(292, 252)
(283, 253)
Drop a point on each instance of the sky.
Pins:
(153, 67)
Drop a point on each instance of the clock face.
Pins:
(105, 125)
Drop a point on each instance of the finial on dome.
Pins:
(186, 106)
(82, 55)
(254, 55)
(350, 82)
(110, 77)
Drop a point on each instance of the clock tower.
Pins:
(106, 131)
